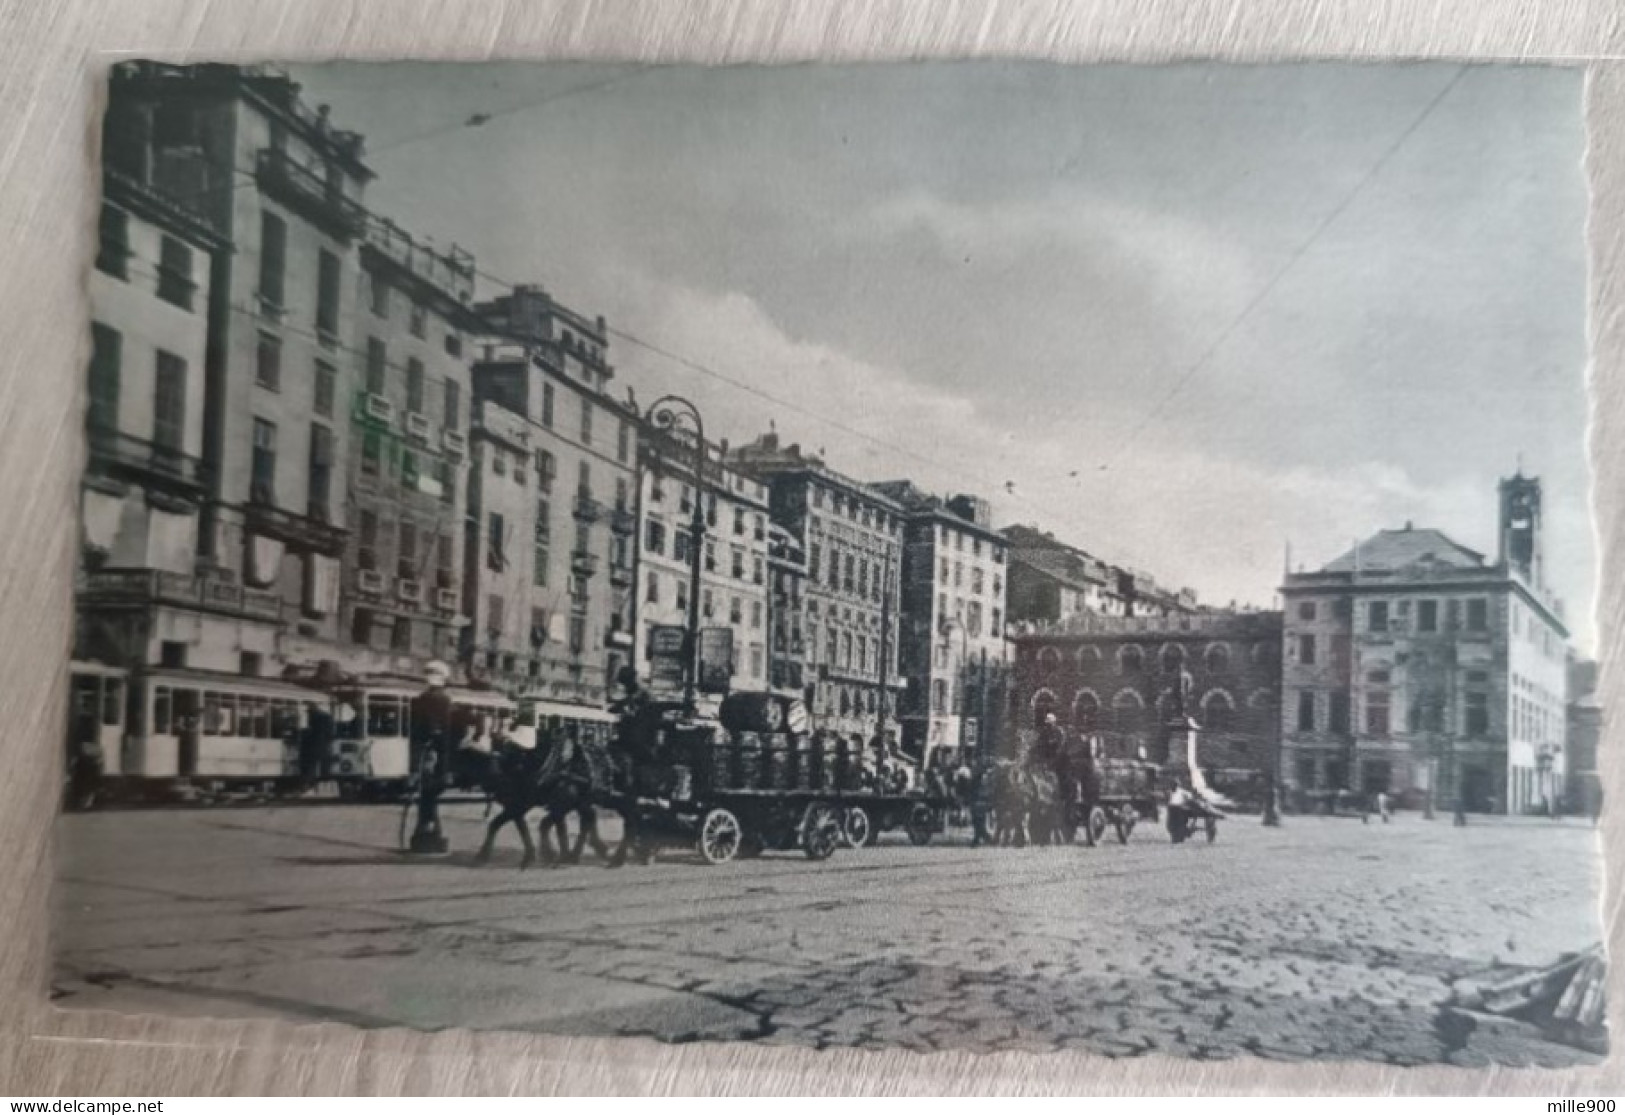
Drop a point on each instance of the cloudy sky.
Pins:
(1180, 316)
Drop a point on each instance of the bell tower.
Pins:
(1520, 528)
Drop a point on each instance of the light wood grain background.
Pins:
(54, 54)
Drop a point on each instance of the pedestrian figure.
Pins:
(1383, 809)
(1461, 812)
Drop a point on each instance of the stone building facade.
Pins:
(853, 539)
(1051, 581)
(734, 554)
(1413, 665)
(952, 642)
(787, 586)
(143, 599)
(1130, 678)
(249, 156)
(409, 414)
(550, 547)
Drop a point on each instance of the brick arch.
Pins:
(1172, 656)
(1216, 657)
(1086, 710)
(1217, 710)
(1127, 653)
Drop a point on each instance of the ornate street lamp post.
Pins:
(671, 414)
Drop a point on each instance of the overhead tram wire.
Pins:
(1268, 288)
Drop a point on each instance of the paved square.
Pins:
(1323, 938)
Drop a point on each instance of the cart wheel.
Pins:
(922, 825)
(1094, 825)
(821, 831)
(859, 831)
(1125, 825)
(1212, 830)
(721, 836)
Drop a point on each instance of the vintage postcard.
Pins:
(945, 557)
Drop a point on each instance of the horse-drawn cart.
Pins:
(755, 780)
(1116, 791)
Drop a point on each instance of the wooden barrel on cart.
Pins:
(802, 774)
(752, 712)
(776, 756)
(796, 718)
(847, 774)
(747, 761)
(815, 760)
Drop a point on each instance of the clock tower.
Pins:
(1520, 528)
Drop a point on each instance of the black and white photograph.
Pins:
(968, 557)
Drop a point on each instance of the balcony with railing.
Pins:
(450, 270)
(186, 590)
(583, 563)
(621, 576)
(623, 521)
(320, 199)
(587, 509)
(303, 532)
(145, 462)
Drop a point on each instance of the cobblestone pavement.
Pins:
(1323, 938)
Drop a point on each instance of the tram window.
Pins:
(84, 696)
(112, 698)
(284, 719)
(384, 717)
(160, 710)
(262, 718)
(229, 725)
(213, 719)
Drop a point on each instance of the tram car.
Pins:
(753, 779)
(155, 732)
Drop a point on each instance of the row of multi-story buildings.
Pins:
(313, 447)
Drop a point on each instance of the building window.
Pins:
(679, 545)
(273, 260)
(107, 347)
(1339, 720)
(418, 323)
(1306, 610)
(759, 529)
(1376, 713)
(995, 627)
(738, 563)
(1478, 614)
(655, 538)
(493, 616)
(367, 540)
(175, 284)
(406, 549)
(454, 344)
(414, 385)
(113, 253)
(1306, 650)
(1306, 711)
(736, 610)
(578, 633)
(814, 558)
(380, 296)
(263, 484)
(1377, 615)
(445, 570)
(710, 556)
(584, 480)
(1130, 660)
(325, 388)
(756, 614)
(1427, 616)
(268, 362)
(849, 580)
(496, 558)
(586, 421)
(327, 295)
(547, 470)
(377, 361)
(758, 573)
(547, 405)
(169, 403)
(623, 442)
(372, 451)
(321, 472)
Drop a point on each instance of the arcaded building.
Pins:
(1136, 680)
(1414, 665)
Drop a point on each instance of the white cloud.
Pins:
(1185, 515)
